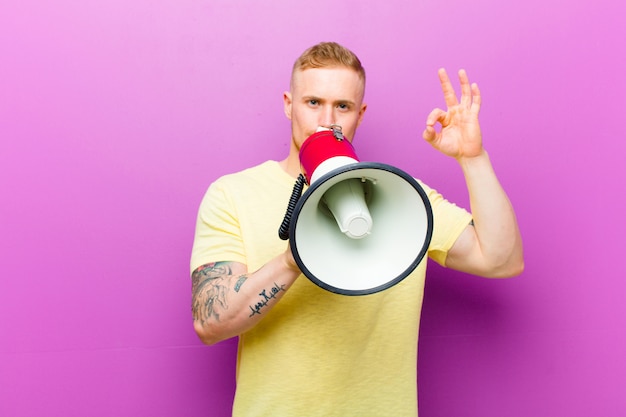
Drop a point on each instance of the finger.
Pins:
(466, 90)
(446, 86)
(437, 115)
(476, 99)
(430, 134)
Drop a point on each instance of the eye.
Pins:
(313, 102)
(343, 106)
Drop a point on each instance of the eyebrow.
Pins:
(312, 97)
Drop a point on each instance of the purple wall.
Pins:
(116, 115)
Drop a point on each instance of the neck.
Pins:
(291, 165)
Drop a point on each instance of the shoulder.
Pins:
(258, 175)
(257, 184)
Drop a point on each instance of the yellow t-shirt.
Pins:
(317, 353)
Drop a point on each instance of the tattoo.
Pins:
(240, 282)
(209, 289)
(265, 298)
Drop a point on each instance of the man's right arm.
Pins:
(227, 300)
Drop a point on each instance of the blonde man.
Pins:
(304, 351)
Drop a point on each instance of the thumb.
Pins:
(437, 115)
(429, 134)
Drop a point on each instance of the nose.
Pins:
(327, 117)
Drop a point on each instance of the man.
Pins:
(304, 351)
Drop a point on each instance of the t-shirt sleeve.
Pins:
(218, 235)
(449, 222)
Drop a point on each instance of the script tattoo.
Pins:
(266, 298)
(209, 289)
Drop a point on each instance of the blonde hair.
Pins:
(327, 55)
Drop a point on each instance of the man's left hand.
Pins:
(460, 135)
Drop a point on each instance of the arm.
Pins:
(227, 300)
(492, 245)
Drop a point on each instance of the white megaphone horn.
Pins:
(360, 227)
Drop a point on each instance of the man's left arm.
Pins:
(492, 245)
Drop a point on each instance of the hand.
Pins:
(289, 259)
(460, 135)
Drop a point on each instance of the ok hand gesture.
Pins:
(460, 135)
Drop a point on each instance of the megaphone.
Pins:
(360, 227)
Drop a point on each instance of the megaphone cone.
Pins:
(360, 227)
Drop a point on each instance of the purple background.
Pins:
(116, 115)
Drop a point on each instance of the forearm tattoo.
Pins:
(210, 285)
(240, 282)
(266, 297)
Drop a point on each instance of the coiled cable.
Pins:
(283, 230)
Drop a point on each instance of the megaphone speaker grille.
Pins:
(401, 230)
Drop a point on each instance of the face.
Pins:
(323, 97)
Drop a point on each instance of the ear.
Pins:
(361, 113)
(287, 104)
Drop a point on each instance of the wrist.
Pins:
(289, 262)
(480, 158)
